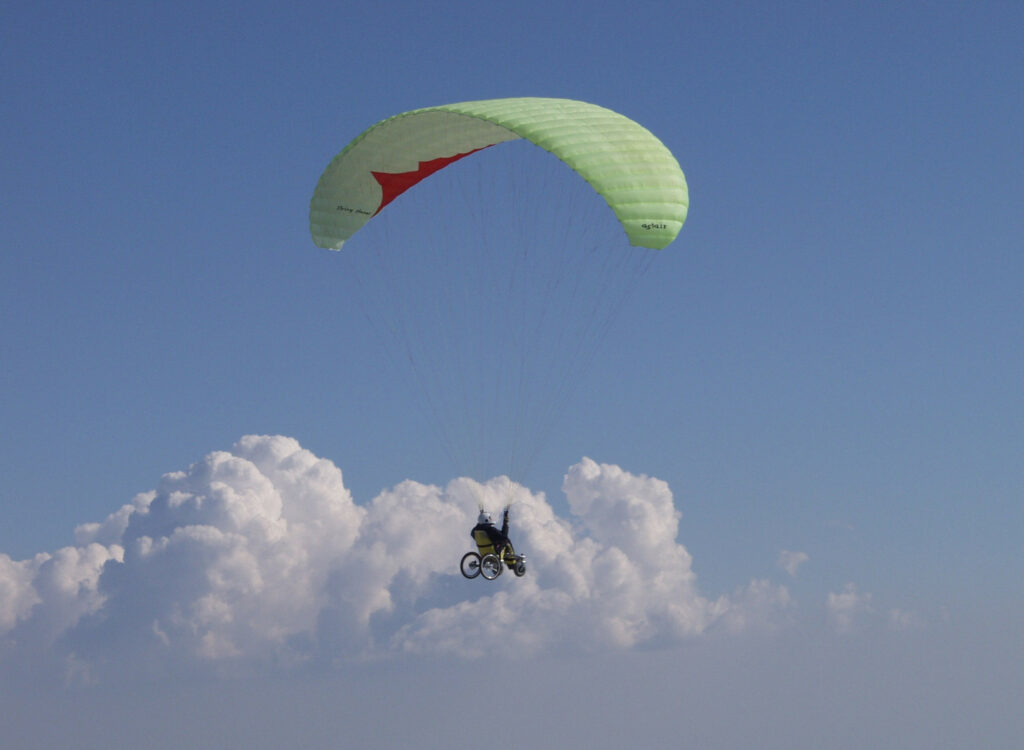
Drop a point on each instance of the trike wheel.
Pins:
(490, 566)
(470, 565)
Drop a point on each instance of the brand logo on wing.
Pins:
(347, 210)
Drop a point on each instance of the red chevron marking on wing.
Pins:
(393, 184)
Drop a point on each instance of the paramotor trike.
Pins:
(491, 562)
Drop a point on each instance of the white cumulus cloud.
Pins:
(903, 620)
(260, 554)
(847, 608)
(791, 561)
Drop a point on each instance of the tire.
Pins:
(490, 566)
(520, 569)
(470, 565)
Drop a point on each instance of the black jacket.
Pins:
(498, 538)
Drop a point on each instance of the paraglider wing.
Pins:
(628, 166)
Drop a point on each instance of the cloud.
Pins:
(52, 591)
(790, 561)
(761, 606)
(260, 554)
(903, 620)
(847, 608)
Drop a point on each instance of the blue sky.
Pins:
(828, 359)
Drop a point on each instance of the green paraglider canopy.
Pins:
(494, 288)
(628, 166)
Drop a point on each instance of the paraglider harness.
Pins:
(493, 550)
